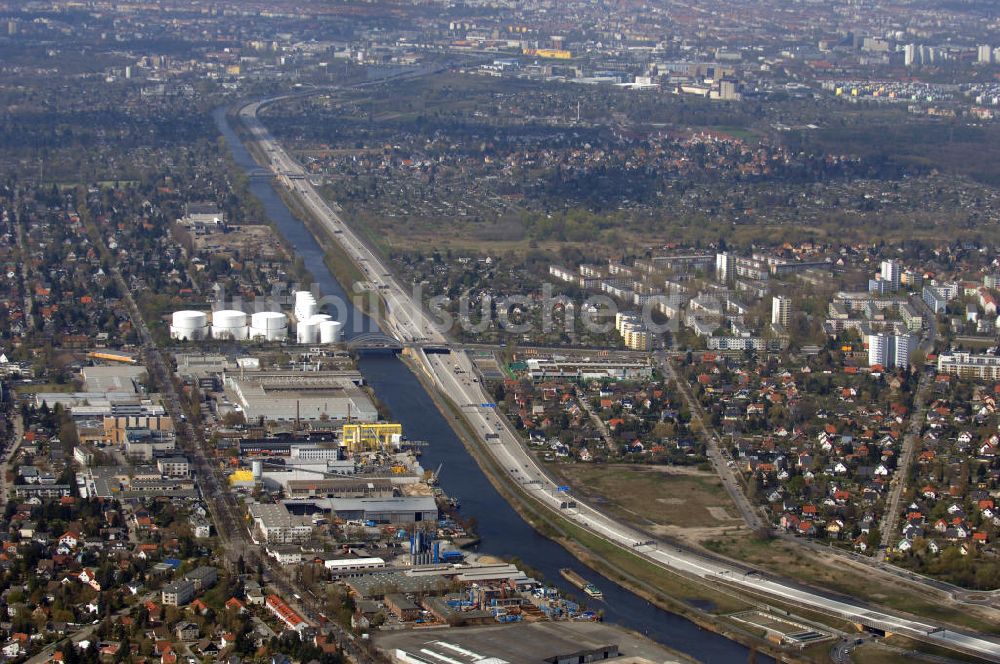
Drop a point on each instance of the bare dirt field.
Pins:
(654, 497)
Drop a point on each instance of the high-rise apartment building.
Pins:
(890, 351)
(781, 310)
(725, 266)
(892, 272)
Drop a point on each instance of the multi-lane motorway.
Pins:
(404, 319)
(455, 375)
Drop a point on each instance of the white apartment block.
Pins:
(969, 365)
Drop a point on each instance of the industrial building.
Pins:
(371, 436)
(282, 445)
(144, 445)
(315, 453)
(545, 369)
(345, 566)
(117, 379)
(377, 584)
(395, 510)
(347, 487)
(308, 396)
(117, 428)
(97, 405)
(572, 642)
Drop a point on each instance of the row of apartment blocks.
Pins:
(620, 282)
(759, 266)
(984, 366)
(938, 296)
(865, 314)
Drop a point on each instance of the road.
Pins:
(889, 528)
(26, 281)
(82, 634)
(405, 319)
(602, 428)
(454, 374)
(14, 444)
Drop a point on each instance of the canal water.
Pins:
(504, 533)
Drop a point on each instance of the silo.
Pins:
(307, 332)
(269, 325)
(189, 325)
(229, 324)
(329, 332)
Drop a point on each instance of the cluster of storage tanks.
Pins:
(236, 325)
(312, 327)
(229, 324)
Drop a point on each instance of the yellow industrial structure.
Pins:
(113, 357)
(241, 477)
(554, 53)
(366, 436)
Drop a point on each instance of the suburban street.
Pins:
(889, 528)
(14, 445)
(713, 446)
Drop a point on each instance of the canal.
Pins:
(504, 533)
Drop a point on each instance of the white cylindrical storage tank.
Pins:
(270, 325)
(305, 310)
(305, 305)
(189, 325)
(229, 324)
(258, 469)
(319, 318)
(231, 333)
(329, 332)
(269, 320)
(307, 332)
